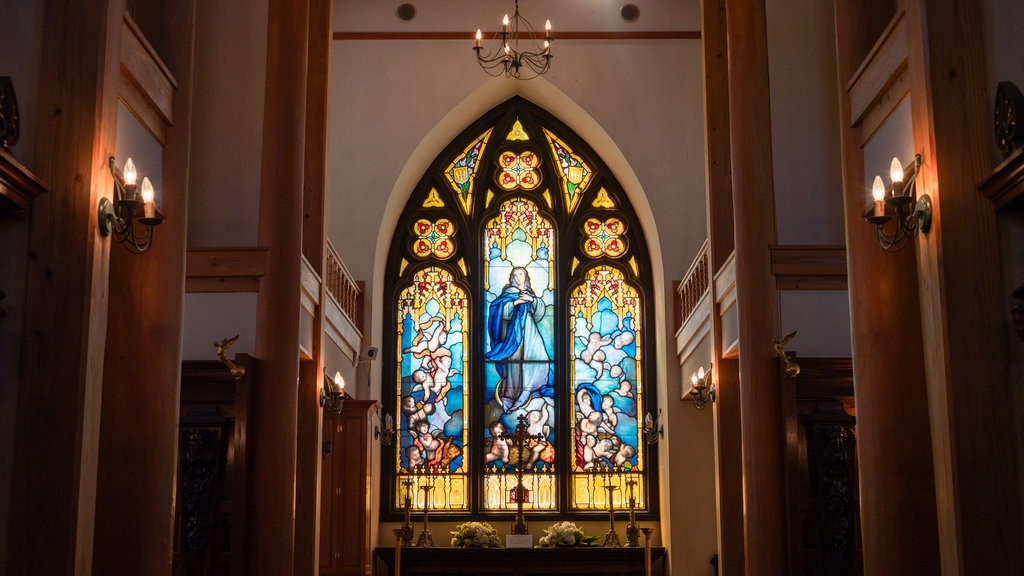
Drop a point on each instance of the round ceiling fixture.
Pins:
(630, 12)
(405, 12)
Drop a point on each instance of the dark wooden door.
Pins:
(821, 469)
(345, 548)
(209, 519)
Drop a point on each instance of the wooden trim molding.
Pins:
(225, 269)
(147, 86)
(468, 36)
(879, 72)
(809, 267)
(1007, 181)
(18, 186)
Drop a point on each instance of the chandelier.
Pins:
(507, 58)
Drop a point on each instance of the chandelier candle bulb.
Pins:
(479, 37)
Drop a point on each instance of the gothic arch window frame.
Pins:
(570, 186)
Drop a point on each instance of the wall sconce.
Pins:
(334, 398)
(653, 430)
(386, 434)
(121, 218)
(900, 203)
(701, 390)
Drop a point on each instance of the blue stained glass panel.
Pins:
(518, 336)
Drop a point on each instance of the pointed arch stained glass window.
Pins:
(431, 327)
(528, 303)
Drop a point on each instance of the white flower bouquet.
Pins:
(565, 534)
(475, 535)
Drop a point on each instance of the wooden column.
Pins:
(273, 425)
(310, 416)
(753, 202)
(965, 357)
(721, 243)
(893, 447)
(138, 440)
(52, 501)
(729, 463)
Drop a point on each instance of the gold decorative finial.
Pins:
(792, 368)
(237, 371)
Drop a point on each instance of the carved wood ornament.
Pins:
(1008, 106)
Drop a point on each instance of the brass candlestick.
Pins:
(632, 529)
(611, 538)
(406, 530)
(426, 540)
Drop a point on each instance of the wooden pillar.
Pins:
(138, 439)
(276, 393)
(310, 416)
(729, 464)
(721, 243)
(965, 356)
(753, 203)
(52, 503)
(897, 493)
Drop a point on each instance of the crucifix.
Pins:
(519, 443)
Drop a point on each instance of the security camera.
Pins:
(371, 352)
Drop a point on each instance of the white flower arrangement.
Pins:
(475, 535)
(565, 534)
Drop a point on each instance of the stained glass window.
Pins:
(518, 288)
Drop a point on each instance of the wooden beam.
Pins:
(880, 69)
(225, 269)
(809, 267)
(147, 86)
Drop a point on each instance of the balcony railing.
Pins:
(343, 288)
(693, 286)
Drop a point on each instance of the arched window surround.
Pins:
(403, 263)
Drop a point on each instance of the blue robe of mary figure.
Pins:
(517, 347)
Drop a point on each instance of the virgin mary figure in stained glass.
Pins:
(517, 347)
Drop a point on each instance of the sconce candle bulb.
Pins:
(878, 193)
(130, 173)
